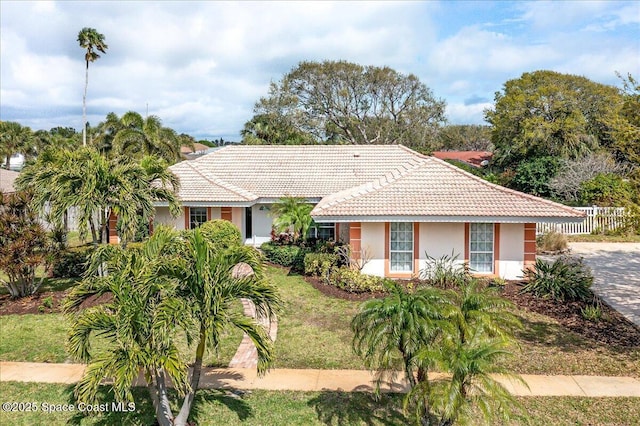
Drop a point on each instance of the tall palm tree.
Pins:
(15, 139)
(389, 334)
(90, 40)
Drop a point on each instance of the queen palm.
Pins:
(90, 40)
(293, 213)
(15, 139)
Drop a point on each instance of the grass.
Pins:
(41, 338)
(299, 408)
(601, 238)
(313, 330)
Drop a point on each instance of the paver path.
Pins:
(247, 355)
(335, 380)
(616, 269)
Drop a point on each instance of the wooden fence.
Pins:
(599, 219)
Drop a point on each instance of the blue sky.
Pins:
(201, 66)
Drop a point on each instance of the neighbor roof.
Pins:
(436, 190)
(475, 158)
(7, 177)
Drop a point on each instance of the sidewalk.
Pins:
(336, 380)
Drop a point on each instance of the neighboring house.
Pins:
(473, 158)
(7, 177)
(391, 204)
(16, 162)
(190, 153)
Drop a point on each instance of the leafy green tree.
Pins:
(23, 244)
(293, 214)
(343, 102)
(606, 189)
(533, 176)
(273, 129)
(625, 124)
(90, 40)
(545, 113)
(15, 139)
(464, 137)
(97, 187)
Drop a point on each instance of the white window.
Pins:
(197, 216)
(481, 247)
(326, 231)
(401, 247)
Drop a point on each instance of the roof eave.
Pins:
(460, 219)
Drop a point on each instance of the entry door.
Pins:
(248, 223)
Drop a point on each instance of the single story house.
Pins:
(393, 206)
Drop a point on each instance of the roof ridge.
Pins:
(249, 196)
(368, 187)
(504, 189)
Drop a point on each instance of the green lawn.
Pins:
(314, 332)
(300, 408)
(600, 238)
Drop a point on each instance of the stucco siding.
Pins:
(441, 239)
(262, 222)
(237, 218)
(511, 261)
(373, 248)
(215, 213)
(163, 217)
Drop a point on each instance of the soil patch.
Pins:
(46, 302)
(613, 329)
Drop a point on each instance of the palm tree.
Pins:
(90, 40)
(139, 324)
(137, 136)
(480, 333)
(294, 214)
(15, 139)
(97, 187)
(391, 332)
(211, 286)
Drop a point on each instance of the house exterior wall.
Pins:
(163, 217)
(511, 260)
(237, 218)
(440, 239)
(262, 223)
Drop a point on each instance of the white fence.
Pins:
(599, 219)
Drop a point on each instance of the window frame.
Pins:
(410, 251)
(472, 252)
(328, 225)
(197, 212)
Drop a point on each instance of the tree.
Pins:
(15, 139)
(134, 136)
(606, 189)
(98, 187)
(464, 137)
(389, 334)
(545, 113)
(293, 214)
(168, 285)
(533, 175)
(23, 244)
(625, 124)
(343, 102)
(90, 40)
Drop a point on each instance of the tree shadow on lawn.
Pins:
(144, 413)
(346, 408)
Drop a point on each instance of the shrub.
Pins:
(353, 281)
(47, 302)
(552, 241)
(566, 279)
(592, 313)
(445, 272)
(319, 264)
(221, 233)
(292, 256)
(71, 263)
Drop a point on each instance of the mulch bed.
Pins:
(35, 304)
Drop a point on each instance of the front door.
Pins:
(248, 223)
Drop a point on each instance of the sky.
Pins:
(201, 66)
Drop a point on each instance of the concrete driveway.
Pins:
(616, 268)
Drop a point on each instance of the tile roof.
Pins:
(354, 181)
(475, 158)
(273, 171)
(434, 188)
(7, 177)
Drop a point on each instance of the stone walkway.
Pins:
(336, 380)
(247, 355)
